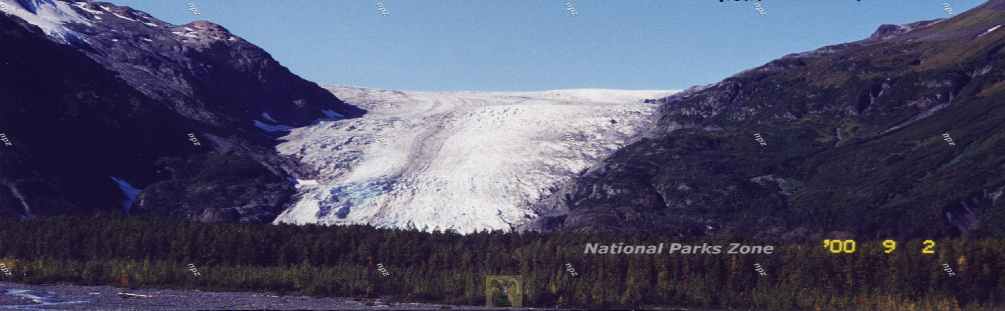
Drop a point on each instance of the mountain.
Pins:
(461, 161)
(197, 67)
(897, 135)
(114, 109)
(116, 112)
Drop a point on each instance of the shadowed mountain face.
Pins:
(72, 125)
(900, 134)
(205, 72)
(107, 109)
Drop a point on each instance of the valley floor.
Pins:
(17, 296)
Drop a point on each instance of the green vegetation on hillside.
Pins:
(898, 135)
(451, 268)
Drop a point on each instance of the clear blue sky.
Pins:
(537, 44)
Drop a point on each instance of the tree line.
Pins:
(444, 267)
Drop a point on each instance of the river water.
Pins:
(15, 296)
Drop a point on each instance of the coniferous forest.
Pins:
(361, 261)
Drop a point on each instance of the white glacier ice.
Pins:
(463, 161)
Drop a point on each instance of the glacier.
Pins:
(455, 161)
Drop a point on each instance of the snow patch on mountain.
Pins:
(49, 15)
(463, 161)
(271, 128)
(86, 7)
(125, 17)
(989, 30)
(331, 114)
(128, 191)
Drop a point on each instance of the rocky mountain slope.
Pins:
(900, 134)
(463, 161)
(107, 107)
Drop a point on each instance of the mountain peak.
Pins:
(50, 15)
(887, 31)
(207, 26)
(170, 100)
(203, 33)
